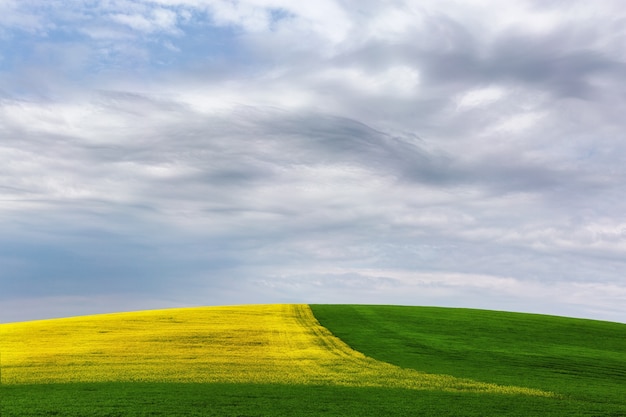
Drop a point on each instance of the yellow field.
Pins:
(258, 344)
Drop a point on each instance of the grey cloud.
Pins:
(550, 64)
(449, 57)
(494, 170)
(224, 196)
(553, 64)
(215, 162)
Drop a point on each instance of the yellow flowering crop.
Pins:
(258, 344)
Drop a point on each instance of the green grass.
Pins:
(239, 400)
(583, 360)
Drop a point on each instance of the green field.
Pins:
(583, 362)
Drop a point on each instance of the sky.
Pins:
(172, 153)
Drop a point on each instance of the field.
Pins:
(278, 360)
(583, 361)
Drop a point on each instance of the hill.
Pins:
(278, 360)
(584, 361)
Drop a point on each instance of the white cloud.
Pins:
(460, 150)
(400, 81)
(479, 97)
(14, 16)
(159, 20)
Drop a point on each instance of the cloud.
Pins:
(190, 152)
(159, 20)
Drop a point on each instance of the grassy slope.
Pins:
(269, 400)
(584, 360)
(456, 342)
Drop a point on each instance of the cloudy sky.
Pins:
(161, 153)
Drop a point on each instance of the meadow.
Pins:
(298, 360)
(582, 361)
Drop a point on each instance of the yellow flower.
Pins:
(252, 344)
